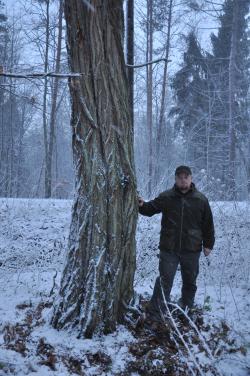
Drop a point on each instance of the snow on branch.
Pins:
(67, 75)
(40, 75)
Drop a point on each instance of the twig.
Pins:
(201, 337)
(192, 356)
(147, 63)
(229, 283)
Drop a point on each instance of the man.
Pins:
(186, 227)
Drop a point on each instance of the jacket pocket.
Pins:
(167, 239)
(193, 239)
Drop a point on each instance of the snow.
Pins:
(33, 243)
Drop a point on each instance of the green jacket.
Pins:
(187, 220)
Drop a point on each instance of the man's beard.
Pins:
(184, 187)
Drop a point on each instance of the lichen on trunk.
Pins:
(97, 281)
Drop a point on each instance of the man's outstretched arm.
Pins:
(151, 207)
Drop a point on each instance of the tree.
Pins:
(229, 70)
(46, 37)
(149, 70)
(130, 54)
(10, 120)
(211, 91)
(156, 16)
(46, 21)
(49, 126)
(160, 134)
(53, 113)
(190, 109)
(97, 281)
(162, 24)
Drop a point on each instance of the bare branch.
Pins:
(68, 75)
(147, 63)
(41, 75)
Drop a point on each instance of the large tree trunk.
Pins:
(97, 282)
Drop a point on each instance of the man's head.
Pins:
(183, 177)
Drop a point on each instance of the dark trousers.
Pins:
(168, 263)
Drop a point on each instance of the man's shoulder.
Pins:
(170, 192)
(167, 193)
(200, 195)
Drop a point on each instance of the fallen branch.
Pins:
(201, 337)
(189, 351)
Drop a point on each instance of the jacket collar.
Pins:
(191, 189)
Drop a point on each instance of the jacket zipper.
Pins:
(182, 209)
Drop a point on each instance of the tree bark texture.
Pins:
(97, 281)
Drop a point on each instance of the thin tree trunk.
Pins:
(159, 136)
(2, 140)
(11, 179)
(5, 132)
(21, 132)
(11, 153)
(150, 90)
(97, 282)
(55, 88)
(247, 163)
(208, 132)
(232, 93)
(45, 125)
(130, 55)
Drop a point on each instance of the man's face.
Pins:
(183, 180)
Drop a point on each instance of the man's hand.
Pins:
(207, 251)
(140, 201)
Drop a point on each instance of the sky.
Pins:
(204, 24)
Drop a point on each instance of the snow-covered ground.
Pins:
(33, 241)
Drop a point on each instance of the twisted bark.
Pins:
(97, 281)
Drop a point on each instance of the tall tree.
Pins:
(10, 121)
(149, 70)
(47, 36)
(211, 98)
(130, 54)
(190, 102)
(45, 98)
(229, 76)
(160, 134)
(53, 112)
(97, 282)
